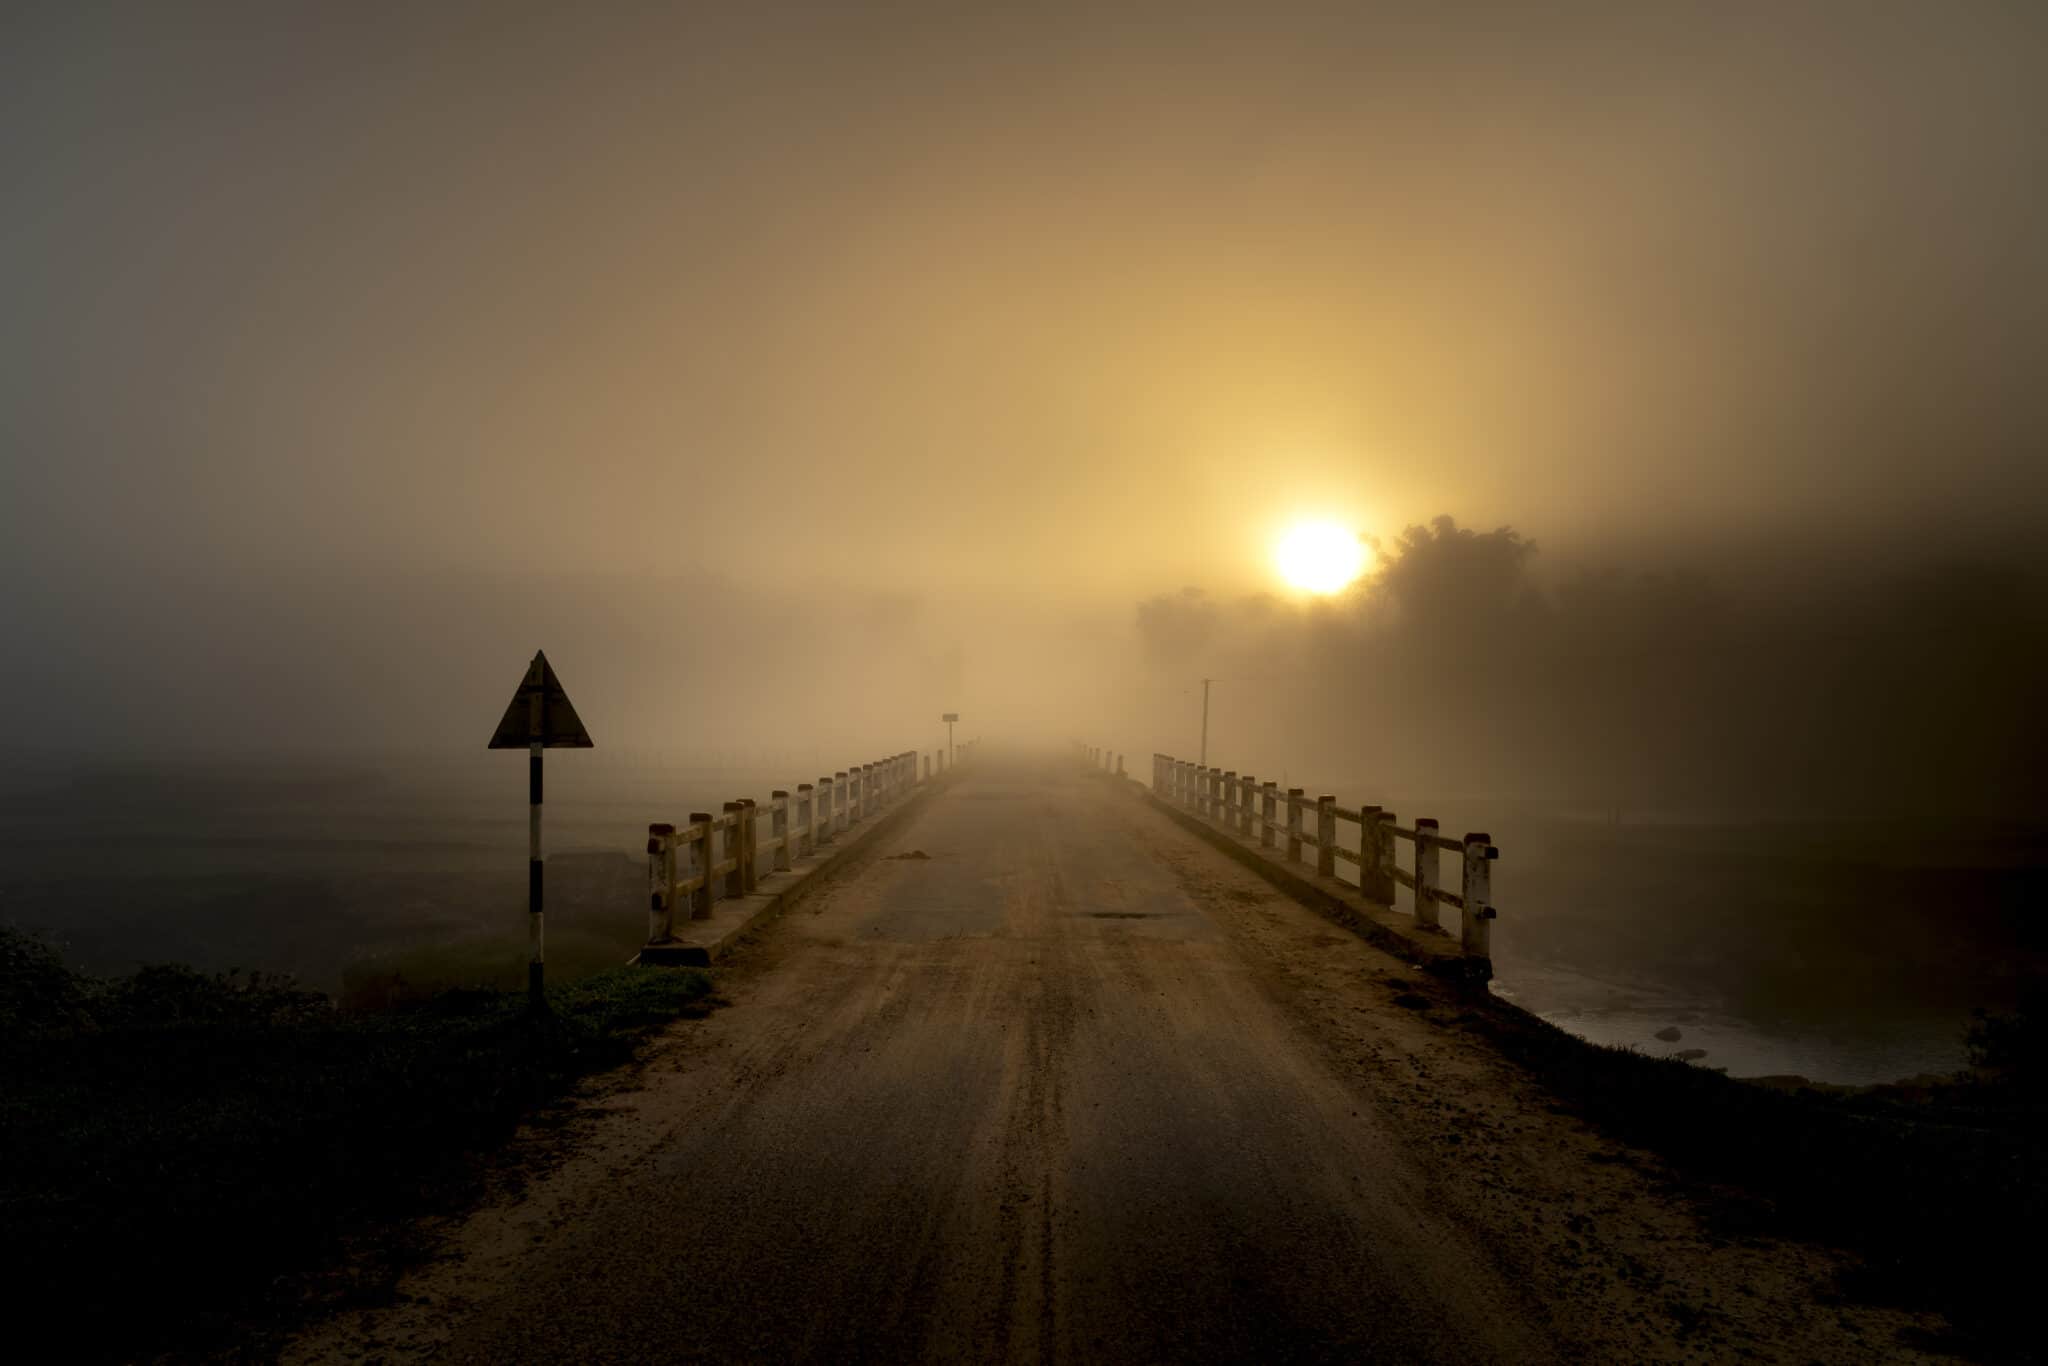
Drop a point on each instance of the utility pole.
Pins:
(1204, 760)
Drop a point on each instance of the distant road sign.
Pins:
(950, 717)
(553, 723)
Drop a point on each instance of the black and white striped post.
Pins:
(539, 718)
(536, 937)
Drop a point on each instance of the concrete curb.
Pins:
(1381, 926)
(703, 942)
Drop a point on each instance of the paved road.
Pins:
(1072, 1087)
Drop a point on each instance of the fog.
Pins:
(1909, 689)
(792, 374)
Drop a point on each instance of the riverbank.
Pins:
(213, 1136)
(1926, 1180)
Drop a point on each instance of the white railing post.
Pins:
(735, 876)
(807, 818)
(1226, 809)
(1247, 801)
(750, 872)
(701, 894)
(661, 882)
(778, 830)
(1476, 925)
(1326, 835)
(1269, 805)
(1294, 795)
(1376, 855)
(1426, 874)
(1120, 765)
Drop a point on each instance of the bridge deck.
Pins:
(1073, 1086)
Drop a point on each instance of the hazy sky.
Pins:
(1080, 302)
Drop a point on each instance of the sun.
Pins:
(1319, 557)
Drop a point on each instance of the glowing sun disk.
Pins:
(1319, 557)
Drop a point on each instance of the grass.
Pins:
(175, 1145)
(489, 962)
(1929, 1187)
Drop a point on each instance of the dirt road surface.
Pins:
(1076, 1087)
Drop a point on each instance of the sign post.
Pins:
(949, 718)
(538, 718)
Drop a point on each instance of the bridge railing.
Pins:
(691, 866)
(1243, 805)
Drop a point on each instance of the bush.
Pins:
(38, 994)
(2013, 1048)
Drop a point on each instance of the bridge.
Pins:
(707, 887)
(1029, 1058)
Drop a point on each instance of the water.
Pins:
(1852, 1050)
(1842, 951)
(1849, 952)
(307, 867)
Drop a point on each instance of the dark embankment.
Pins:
(1929, 1185)
(176, 1147)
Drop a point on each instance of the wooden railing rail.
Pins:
(1293, 823)
(692, 865)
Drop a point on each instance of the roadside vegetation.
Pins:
(1934, 1187)
(178, 1148)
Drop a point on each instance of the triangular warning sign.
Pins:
(540, 711)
